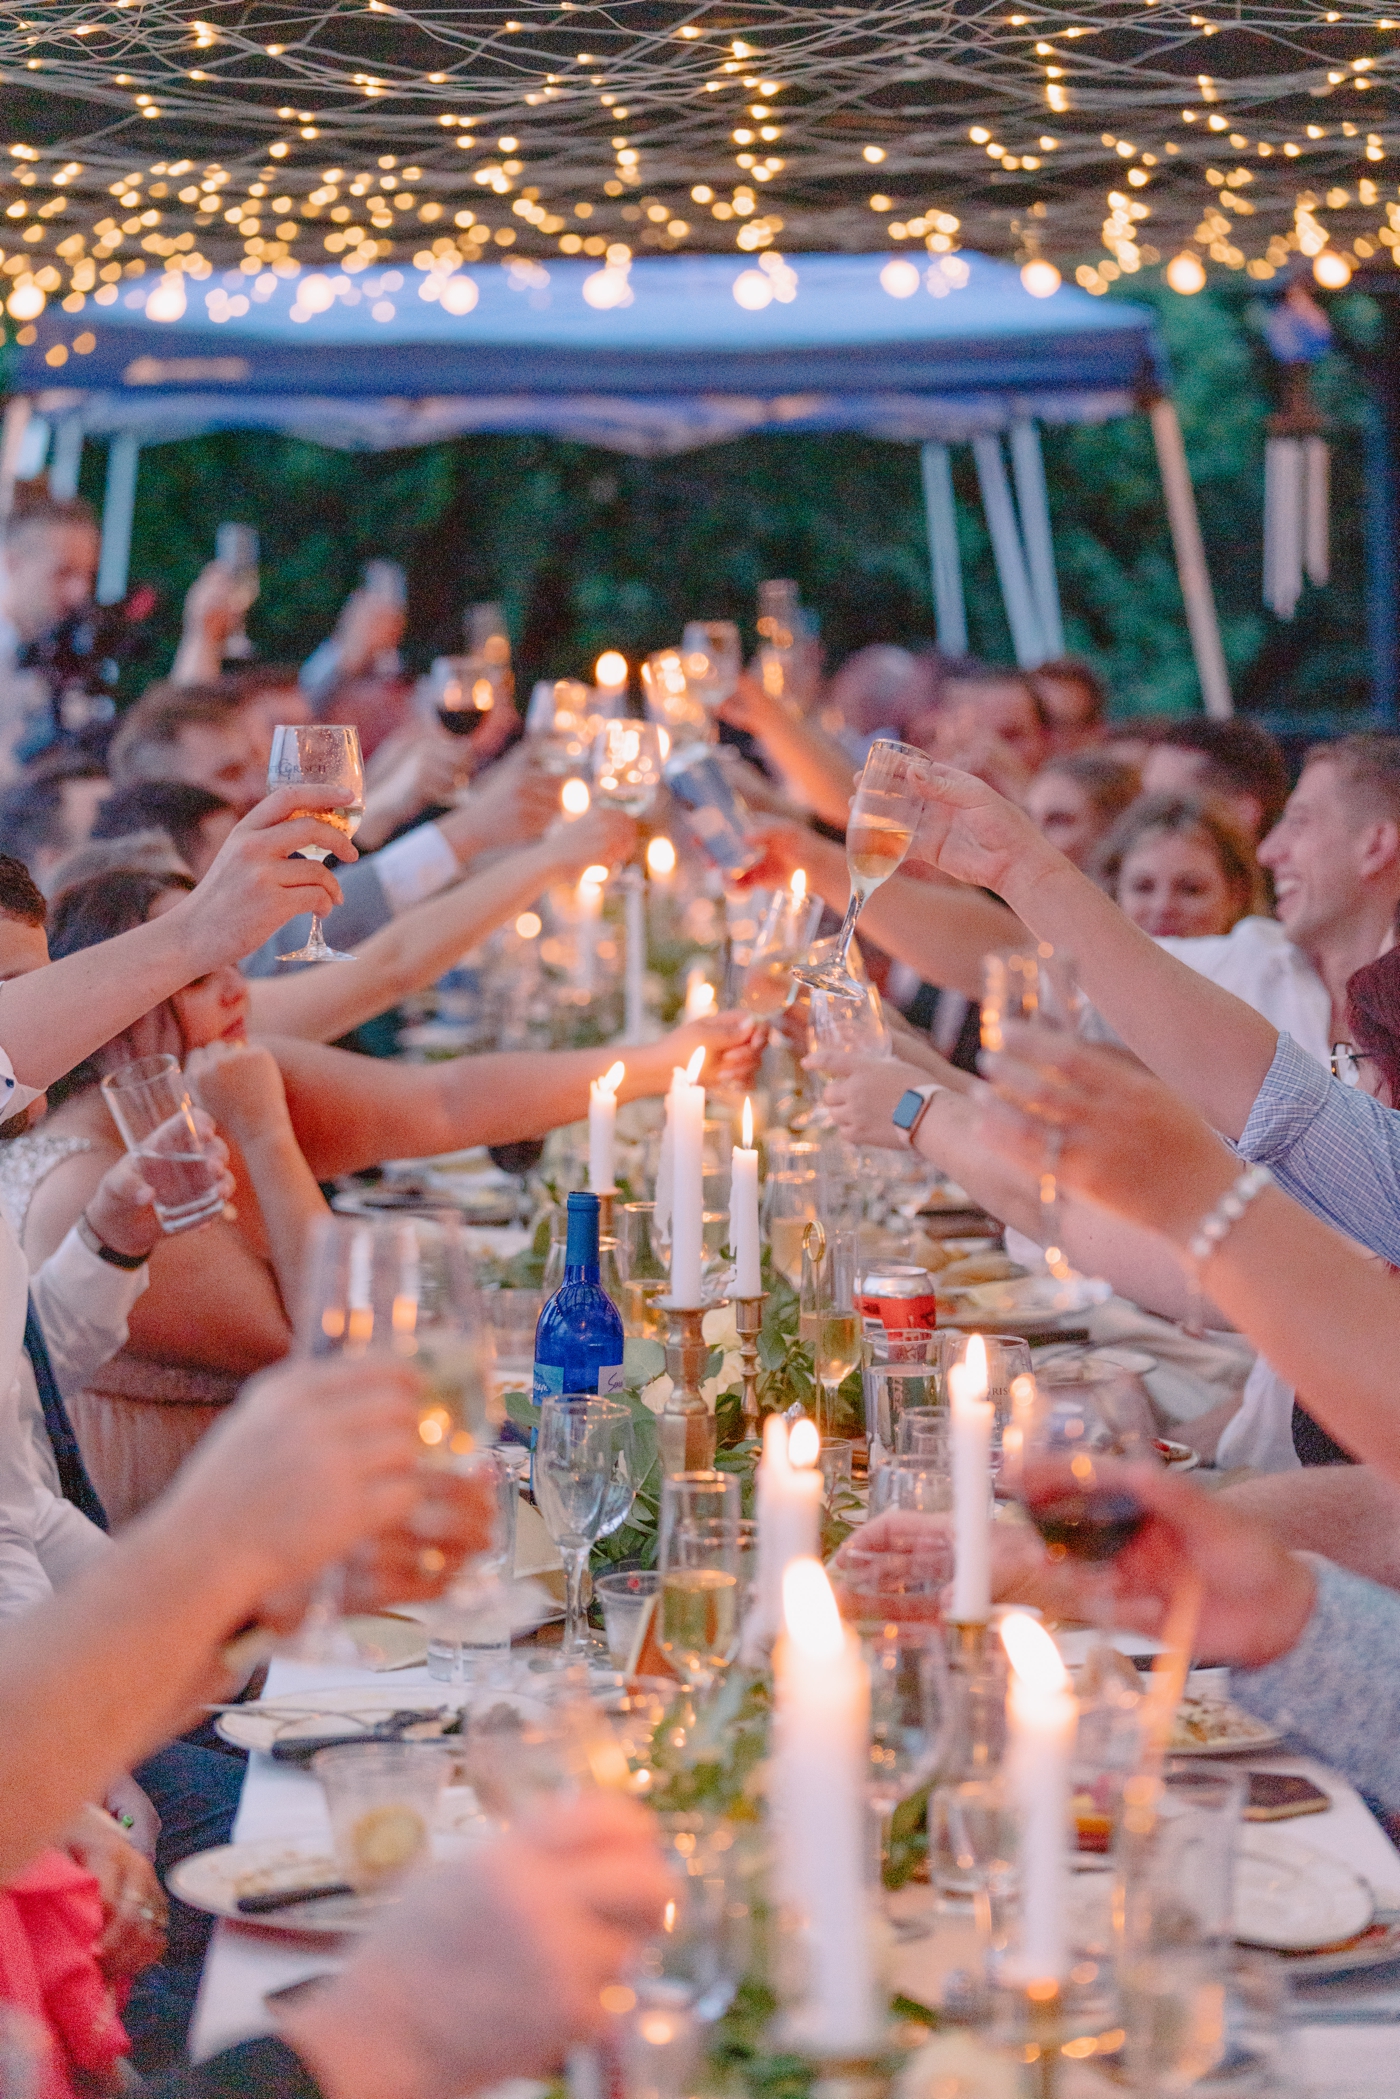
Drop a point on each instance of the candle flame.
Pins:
(748, 1124)
(804, 1445)
(809, 1611)
(661, 857)
(1033, 1654)
(612, 1078)
(574, 798)
(798, 885)
(611, 668)
(597, 873)
(693, 1069)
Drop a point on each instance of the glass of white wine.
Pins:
(884, 816)
(698, 1558)
(828, 1323)
(319, 754)
(627, 762)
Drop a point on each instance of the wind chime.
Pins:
(1296, 458)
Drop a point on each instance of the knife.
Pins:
(283, 1898)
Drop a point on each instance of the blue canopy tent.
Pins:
(648, 357)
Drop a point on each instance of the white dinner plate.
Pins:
(1293, 1899)
(213, 1881)
(1030, 1304)
(1240, 1734)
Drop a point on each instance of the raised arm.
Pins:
(52, 1018)
(317, 1005)
(1203, 1041)
(350, 1112)
(812, 763)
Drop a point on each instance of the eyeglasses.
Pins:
(1346, 1061)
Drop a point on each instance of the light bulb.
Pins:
(1186, 273)
(1040, 278)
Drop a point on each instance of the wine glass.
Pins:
(698, 1551)
(404, 1289)
(627, 761)
(465, 690)
(712, 658)
(850, 1026)
(828, 1323)
(786, 932)
(1037, 985)
(319, 754)
(583, 1444)
(882, 822)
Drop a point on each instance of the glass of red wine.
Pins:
(1062, 1453)
(465, 690)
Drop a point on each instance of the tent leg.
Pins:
(1026, 638)
(67, 458)
(942, 519)
(16, 421)
(118, 511)
(1191, 567)
(1033, 502)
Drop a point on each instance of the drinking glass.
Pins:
(150, 1105)
(465, 690)
(645, 1280)
(624, 1597)
(900, 1373)
(911, 1716)
(712, 656)
(789, 1204)
(1176, 1852)
(319, 754)
(584, 1443)
(402, 1288)
(671, 702)
(512, 1316)
(828, 1323)
(1008, 1357)
(470, 1629)
(785, 933)
(918, 1484)
(687, 1975)
(700, 1599)
(382, 1799)
(236, 551)
(850, 1025)
(627, 761)
(1035, 984)
(922, 1432)
(882, 823)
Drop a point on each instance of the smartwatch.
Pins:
(909, 1110)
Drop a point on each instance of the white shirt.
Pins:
(83, 1305)
(415, 866)
(1260, 964)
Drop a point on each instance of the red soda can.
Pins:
(899, 1298)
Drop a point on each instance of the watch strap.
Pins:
(104, 1252)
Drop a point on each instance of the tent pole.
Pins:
(118, 511)
(1191, 568)
(67, 458)
(1033, 502)
(16, 421)
(1026, 637)
(942, 519)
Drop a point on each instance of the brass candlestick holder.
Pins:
(607, 1197)
(686, 1427)
(748, 1319)
(967, 1642)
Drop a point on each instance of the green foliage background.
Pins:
(591, 549)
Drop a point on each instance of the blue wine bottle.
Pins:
(578, 1342)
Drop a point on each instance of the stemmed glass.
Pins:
(883, 819)
(788, 926)
(712, 658)
(403, 1289)
(627, 763)
(585, 1446)
(854, 1026)
(1038, 985)
(319, 754)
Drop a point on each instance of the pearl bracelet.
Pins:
(1217, 1224)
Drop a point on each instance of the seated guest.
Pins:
(195, 821)
(1178, 868)
(989, 721)
(49, 810)
(1073, 702)
(1075, 801)
(295, 1114)
(196, 734)
(1235, 762)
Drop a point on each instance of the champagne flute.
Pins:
(319, 754)
(788, 927)
(1038, 985)
(712, 656)
(827, 1321)
(583, 1443)
(883, 819)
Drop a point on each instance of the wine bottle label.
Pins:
(550, 1381)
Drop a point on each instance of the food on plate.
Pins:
(1207, 1721)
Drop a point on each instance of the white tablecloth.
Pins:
(1349, 2033)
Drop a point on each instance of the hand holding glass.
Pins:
(883, 819)
(319, 754)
